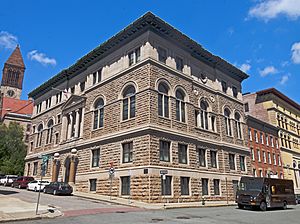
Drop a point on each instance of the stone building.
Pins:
(264, 149)
(273, 107)
(12, 108)
(148, 99)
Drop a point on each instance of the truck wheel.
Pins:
(263, 206)
(240, 206)
(284, 205)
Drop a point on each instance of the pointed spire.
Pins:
(16, 58)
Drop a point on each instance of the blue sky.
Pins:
(262, 37)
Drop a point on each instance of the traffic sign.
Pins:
(111, 171)
(163, 172)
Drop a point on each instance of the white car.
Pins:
(35, 185)
(8, 179)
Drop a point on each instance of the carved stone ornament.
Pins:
(203, 78)
(212, 99)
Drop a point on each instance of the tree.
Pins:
(12, 149)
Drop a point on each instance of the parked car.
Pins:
(297, 196)
(35, 185)
(8, 179)
(21, 182)
(56, 188)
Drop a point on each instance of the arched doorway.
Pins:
(67, 165)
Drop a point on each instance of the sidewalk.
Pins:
(139, 204)
(14, 209)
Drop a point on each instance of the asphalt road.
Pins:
(211, 215)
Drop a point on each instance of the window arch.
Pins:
(180, 105)
(129, 102)
(238, 125)
(50, 131)
(39, 135)
(98, 113)
(227, 122)
(163, 99)
(204, 114)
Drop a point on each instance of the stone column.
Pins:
(73, 167)
(81, 123)
(55, 166)
(70, 124)
(77, 117)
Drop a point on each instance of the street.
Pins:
(80, 210)
(69, 205)
(224, 215)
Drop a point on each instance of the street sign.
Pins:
(111, 171)
(163, 172)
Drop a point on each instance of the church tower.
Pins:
(12, 75)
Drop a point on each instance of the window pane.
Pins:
(164, 151)
(166, 187)
(132, 106)
(204, 186)
(177, 110)
(125, 109)
(166, 106)
(184, 184)
(182, 153)
(95, 119)
(216, 187)
(202, 157)
(101, 117)
(125, 188)
(93, 184)
(160, 105)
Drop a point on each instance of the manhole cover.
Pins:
(182, 217)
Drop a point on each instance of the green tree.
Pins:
(12, 149)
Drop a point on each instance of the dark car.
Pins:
(58, 188)
(21, 182)
(297, 196)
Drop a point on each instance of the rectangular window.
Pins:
(164, 151)
(260, 173)
(258, 155)
(184, 184)
(166, 185)
(213, 123)
(162, 55)
(274, 159)
(213, 159)
(279, 161)
(272, 141)
(179, 63)
(234, 92)
(267, 139)
(254, 172)
(269, 158)
(256, 136)
(28, 169)
(250, 134)
(93, 184)
(242, 163)
(35, 168)
(31, 146)
(202, 157)
(224, 86)
(125, 185)
(95, 157)
(264, 157)
(127, 152)
(56, 138)
(216, 187)
(134, 56)
(204, 182)
(182, 153)
(94, 78)
(231, 161)
(82, 86)
(252, 154)
(246, 106)
(261, 138)
(99, 75)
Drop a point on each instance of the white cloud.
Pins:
(268, 70)
(296, 53)
(284, 79)
(270, 9)
(41, 58)
(245, 67)
(8, 40)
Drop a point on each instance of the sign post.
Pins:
(45, 159)
(111, 172)
(163, 174)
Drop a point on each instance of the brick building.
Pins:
(146, 100)
(12, 108)
(264, 149)
(273, 107)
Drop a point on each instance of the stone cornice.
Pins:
(147, 22)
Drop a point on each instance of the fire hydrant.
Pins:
(203, 201)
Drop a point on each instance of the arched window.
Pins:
(204, 114)
(50, 132)
(129, 102)
(98, 113)
(163, 100)
(227, 122)
(238, 125)
(180, 105)
(39, 135)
